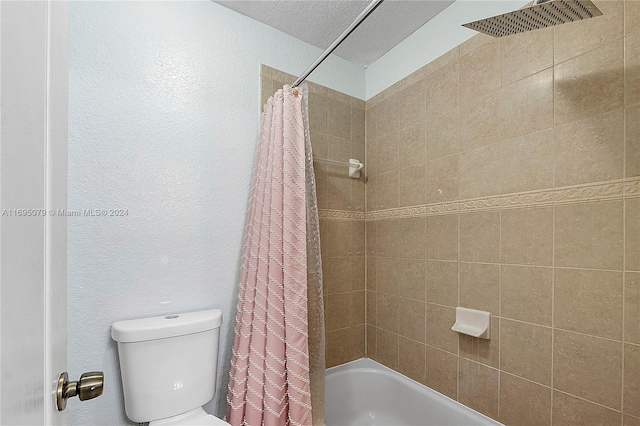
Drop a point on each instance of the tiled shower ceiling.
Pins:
(320, 22)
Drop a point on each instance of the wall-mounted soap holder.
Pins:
(355, 166)
(473, 322)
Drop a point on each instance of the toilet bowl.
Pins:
(168, 366)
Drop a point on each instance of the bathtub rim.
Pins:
(365, 363)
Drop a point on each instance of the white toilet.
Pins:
(168, 367)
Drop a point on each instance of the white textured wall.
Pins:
(163, 121)
(436, 37)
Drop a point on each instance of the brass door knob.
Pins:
(89, 386)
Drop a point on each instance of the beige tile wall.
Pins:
(537, 111)
(336, 124)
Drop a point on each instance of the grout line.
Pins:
(483, 365)
(548, 327)
(441, 350)
(586, 400)
(344, 328)
(458, 304)
(569, 268)
(397, 333)
(518, 265)
(624, 198)
(438, 260)
(500, 147)
(624, 284)
(631, 416)
(608, 339)
(553, 295)
(366, 252)
(527, 380)
(457, 152)
(499, 309)
(438, 304)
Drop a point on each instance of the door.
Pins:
(33, 187)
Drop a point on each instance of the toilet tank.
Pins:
(167, 363)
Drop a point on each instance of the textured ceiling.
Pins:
(319, 22)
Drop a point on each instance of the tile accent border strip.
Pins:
(341, 214)
(601, 191)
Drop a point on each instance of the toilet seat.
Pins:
(197, 417)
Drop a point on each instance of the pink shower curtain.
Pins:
(269, 380)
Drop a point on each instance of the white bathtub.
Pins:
(364, 392)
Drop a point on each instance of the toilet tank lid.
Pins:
(162, 327)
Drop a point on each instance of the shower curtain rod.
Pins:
(365, 13)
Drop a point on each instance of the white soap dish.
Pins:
(473, 322)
